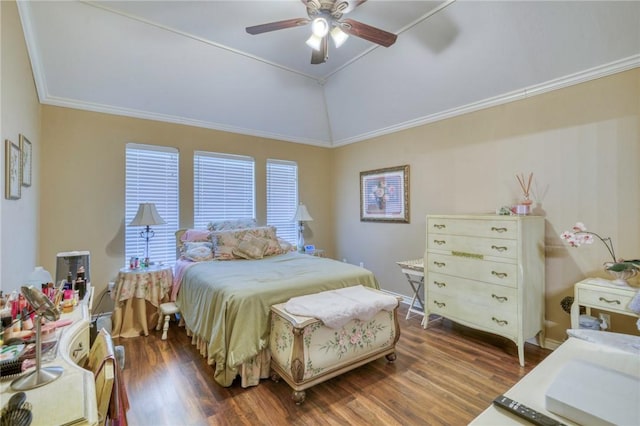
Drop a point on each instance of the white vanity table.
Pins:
(70, 399)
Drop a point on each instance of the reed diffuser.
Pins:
(526, 188)
(524, 207)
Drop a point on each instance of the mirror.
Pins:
(42, 307)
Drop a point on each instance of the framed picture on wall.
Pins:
(13, 160)
(25, 149)
(384, 195)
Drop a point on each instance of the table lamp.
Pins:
(301, 216)
(147, 216)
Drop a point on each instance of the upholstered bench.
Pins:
(305, 352)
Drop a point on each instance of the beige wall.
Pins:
(20, 114)
(82, 203)
(583, 145)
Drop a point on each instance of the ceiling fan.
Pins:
(326, 19)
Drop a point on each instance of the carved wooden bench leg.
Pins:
(298, 397)
(391, 357)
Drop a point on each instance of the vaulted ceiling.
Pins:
(192, 62)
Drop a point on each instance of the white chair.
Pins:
(103, 364)
(166, 310)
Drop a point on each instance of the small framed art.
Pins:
(12, 184)
(384, 195)
(25, 149)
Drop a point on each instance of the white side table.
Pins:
(601, 294)
(133, 290)
(414, 271)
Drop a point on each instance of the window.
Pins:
(151, 177)
(282, 198)
(223, 187)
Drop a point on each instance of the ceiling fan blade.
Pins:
(320, 56)
(278, 25)
(367, 32)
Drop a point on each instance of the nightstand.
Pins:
(603, 295)
(134, 289)
(316, 252)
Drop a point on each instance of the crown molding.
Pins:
(146, 115)
(527, 92)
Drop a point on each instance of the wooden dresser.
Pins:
(487, 272)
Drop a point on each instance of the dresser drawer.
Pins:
(502, 321)
(610, 301)
(474, 245)
(475, 269)
(479, 293)
(79, 346)
(490, 228)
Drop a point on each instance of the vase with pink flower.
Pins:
(622, 270)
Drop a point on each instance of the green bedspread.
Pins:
(227, 303)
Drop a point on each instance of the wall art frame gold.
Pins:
(384, 195)
(27, 152)
(12, 177)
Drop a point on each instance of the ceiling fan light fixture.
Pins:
(314, 42)
(320, 27)
(338, 36)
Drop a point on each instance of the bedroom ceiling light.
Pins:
(338, 36)
(301, 216)
(147, 216)
(319, 29)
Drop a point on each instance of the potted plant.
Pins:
(621, 269)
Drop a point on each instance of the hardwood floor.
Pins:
(445, 375)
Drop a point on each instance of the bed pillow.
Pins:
(285, 246)
(225, 241)
(231, 224)
(251, 247)
(195, 235)
(197, 251)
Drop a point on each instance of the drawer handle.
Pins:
(499, 298)
(439, 264)
(499, 321)
(440, 284)
(439, 242)
(498, 230)
(602, 299)
(78, 349)
(439, 304)
(499, 274)
(499, 248)
(439, 226)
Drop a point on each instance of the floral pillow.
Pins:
(225, 241)
(227, 225)
(251, 247)
(197, 251)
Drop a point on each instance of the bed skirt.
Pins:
(250, 372)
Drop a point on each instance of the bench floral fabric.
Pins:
(304, 352)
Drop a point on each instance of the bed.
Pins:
(225, 302)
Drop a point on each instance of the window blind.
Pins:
(224, 187)
(282, 198)
(152, 177)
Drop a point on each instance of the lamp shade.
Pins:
(302, 215)
(147, 215)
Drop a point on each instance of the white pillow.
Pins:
(198, 251)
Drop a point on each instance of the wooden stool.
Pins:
(166, 310)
